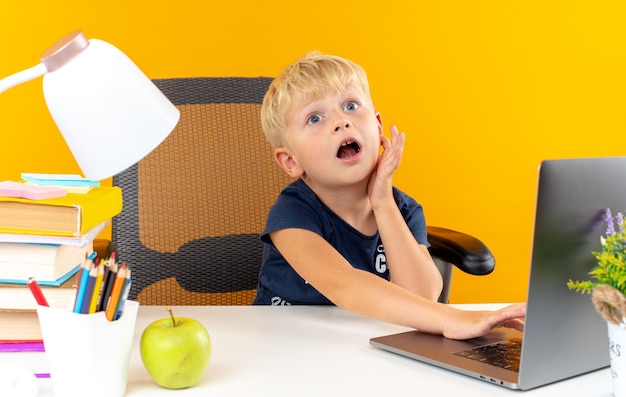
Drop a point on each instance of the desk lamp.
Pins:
(110, 114)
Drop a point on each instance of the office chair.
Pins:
(195, 206)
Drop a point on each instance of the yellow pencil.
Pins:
(97, 289)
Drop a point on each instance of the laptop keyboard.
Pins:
(505, 354)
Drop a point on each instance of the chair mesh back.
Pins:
(194, 207)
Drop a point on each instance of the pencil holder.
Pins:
(87, 354)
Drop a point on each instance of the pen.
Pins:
(36, 291)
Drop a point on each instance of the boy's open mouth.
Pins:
(348, 149)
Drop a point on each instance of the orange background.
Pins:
(484, 90)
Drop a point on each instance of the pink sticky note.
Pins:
(28, 191)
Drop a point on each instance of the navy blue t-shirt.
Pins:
(297, 206)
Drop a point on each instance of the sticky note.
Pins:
(28, 191)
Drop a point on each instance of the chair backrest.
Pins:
(194, 207)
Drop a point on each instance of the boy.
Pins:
(326, 231)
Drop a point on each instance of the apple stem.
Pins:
(172, 316)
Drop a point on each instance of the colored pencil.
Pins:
(123, 295)
(82, 285)
(36, 291)
(107, 284)
(116, 292)
(97, 288)
(106, 266)
(89, 288)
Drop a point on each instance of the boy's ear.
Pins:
(286, 161)
(380, 122)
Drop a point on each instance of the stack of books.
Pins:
(25, 356)
(47, 239)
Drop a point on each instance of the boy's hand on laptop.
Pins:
(477, 323)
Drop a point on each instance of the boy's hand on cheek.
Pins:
(381, 180)
(392, 153)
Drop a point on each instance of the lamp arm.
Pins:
(22, 77)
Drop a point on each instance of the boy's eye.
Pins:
(314, 118)
(351, 105)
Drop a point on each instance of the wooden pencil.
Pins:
(89, 287)
(116, 292)
(82, 284)
(97, 289)
(108, 284)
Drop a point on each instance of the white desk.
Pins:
(316, 351)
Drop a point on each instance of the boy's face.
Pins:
(332, 141)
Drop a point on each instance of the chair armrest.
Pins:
(103, 247)
(462, 250)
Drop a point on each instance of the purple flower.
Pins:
(610, 229)
(620, 222)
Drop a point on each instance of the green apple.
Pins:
(175, 351)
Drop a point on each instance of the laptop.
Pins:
(563, 334)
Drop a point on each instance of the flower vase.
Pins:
(611, 304)
(617, 354)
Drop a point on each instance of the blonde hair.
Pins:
(309, 77)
